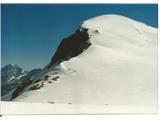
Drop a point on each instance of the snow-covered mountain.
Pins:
(109, 60)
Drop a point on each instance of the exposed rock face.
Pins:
(71, 46)
(20, 88)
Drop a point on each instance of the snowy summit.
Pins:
(109, 60)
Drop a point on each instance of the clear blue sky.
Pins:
(31, 33)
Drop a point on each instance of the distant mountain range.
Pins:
(10, 73)
(13, 76)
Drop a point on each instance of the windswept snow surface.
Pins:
(118, 69)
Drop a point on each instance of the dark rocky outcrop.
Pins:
(71, 46)
(20, 88)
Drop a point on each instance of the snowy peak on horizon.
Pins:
(11, 72)
(123, 27)
(112, 19)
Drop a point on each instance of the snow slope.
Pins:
(43, 108)
(118, 69)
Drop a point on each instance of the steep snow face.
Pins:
(119, 68)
